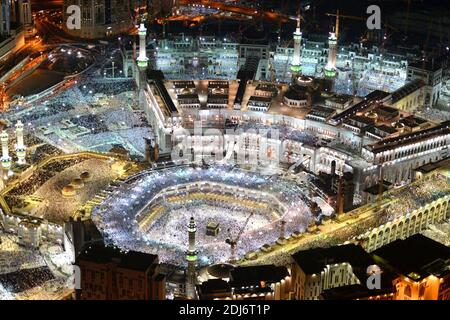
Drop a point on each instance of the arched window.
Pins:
(408, 290)
(421, 291)
(393, 233)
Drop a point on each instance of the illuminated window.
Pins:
(422, 290)
(408, 290)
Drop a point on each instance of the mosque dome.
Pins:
(77, 183)
(68, 191)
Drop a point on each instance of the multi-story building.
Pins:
(399, 154)
(361, 139)
(373, 69)
(100, 18)
(320, 269)
(393, 272)
(214, 289)
(161, 8)
(408, 97)
(108, 273)
(204, 57)
(421, 265)
(430, 72)
(21, 12)
(266, 282)
(262, 282)
(396, 272)
(254, 54)
(213, 57)
(5, 17)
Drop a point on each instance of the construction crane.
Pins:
(383, 41)
(284, 9)
(342, 16)
(336, 29)
(233, 241)
(408, 8)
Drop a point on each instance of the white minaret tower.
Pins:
(191, 257)
(5, 159)
(330, 68)
(142, 60)
(20, 146)
(296, 63)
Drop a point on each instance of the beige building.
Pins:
(320, 269)
(424, 276)
(262, 282)
(409, 97)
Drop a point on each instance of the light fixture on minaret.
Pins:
(20, 146)
(330, 68)
(191, 257)
(5, 159)
(296, 63)
(142, 60)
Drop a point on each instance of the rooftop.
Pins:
(296, 93)
(340, 98)
(378, 189)
(314, 260)
(410, 138)
(428, 65)
(212, 287)
(320, 111)
(101, 254)
(407, 89)
(386, 111)
(429, 167)
(374, 96)
(401, 256)
(254, 275)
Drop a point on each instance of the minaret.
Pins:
(20, 147)
(5, 159)
(142, 63)
(191, 257)
(296, 63)
(142, 60)
(330, 68)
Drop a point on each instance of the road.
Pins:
(272, 16)
(50, 36)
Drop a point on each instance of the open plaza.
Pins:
(208, 137)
